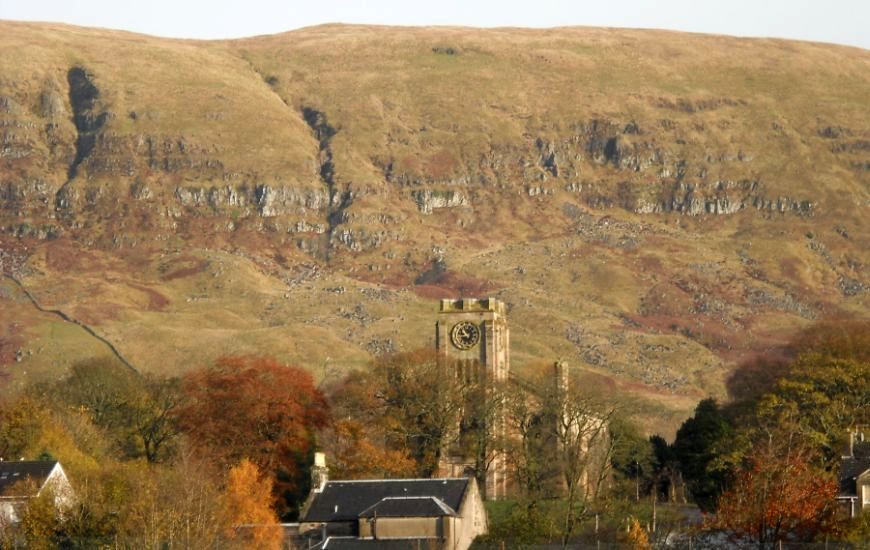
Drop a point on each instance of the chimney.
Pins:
(319, 473)
(560, 374)
(852, 443)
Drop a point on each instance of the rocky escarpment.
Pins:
(611, 164)
(429, 200)
(370, 171)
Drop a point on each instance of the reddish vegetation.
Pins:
(256, 408)
(441, 164)
(651, 264)
(438, 282)
(791, 268)
(394, 280)
(65, 256)
(137, 259)
(183, 266)
(598, 382)
(776, 496)
(156, 300)
(97, 312)
(667, 299)
(11, 340)
(409, 164)
(848, 337)
(452, 285)
(356, 456)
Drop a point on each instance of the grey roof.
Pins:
(402, 507)
(850, 469)
(346, 500)
(353, 543)
(12, 472)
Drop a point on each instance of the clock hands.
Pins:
(465, 335)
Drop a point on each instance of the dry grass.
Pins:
(656, 307)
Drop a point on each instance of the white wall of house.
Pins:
(56, 482)
(59, 485)
(8, 516)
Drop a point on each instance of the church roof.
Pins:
(347, 500)
(11, 472)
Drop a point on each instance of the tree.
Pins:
(637, 537)
(833, 394)
(100, 387)
(247, 514)
(482, 431)
(827, 378)
(256, 408)
(530, 453)
(838, 339)
(135, 411)
(584, 451)
(412, 404)
(39, 525)
(421, 407)
(666, 470)
(354, 454)
(696, 449)
(562, 446)
(777, 492)
(406, 406)
(633, 460)
(21, 423)
(152, 423)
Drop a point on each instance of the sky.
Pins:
(836, 21)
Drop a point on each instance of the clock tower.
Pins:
(473, 343)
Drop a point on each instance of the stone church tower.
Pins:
(473, 342)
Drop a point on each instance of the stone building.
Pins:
(440, 513)
(472, 339)
(473, 343)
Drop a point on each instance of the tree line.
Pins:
(167, 461)
(764, 466)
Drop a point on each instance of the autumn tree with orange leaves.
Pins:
(259, 409)
(776, 496)
(780, 487)
(355, 455)
(248, 519)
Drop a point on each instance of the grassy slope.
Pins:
(656, 306)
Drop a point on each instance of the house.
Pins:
(23, 480)
(439, 513)
(854, 493)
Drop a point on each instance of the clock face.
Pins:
(465, 335)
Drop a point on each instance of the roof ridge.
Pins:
(409, 497)
(398, 480)
(443, 506)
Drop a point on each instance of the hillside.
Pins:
(654, 207)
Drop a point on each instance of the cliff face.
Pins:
(652, 206)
